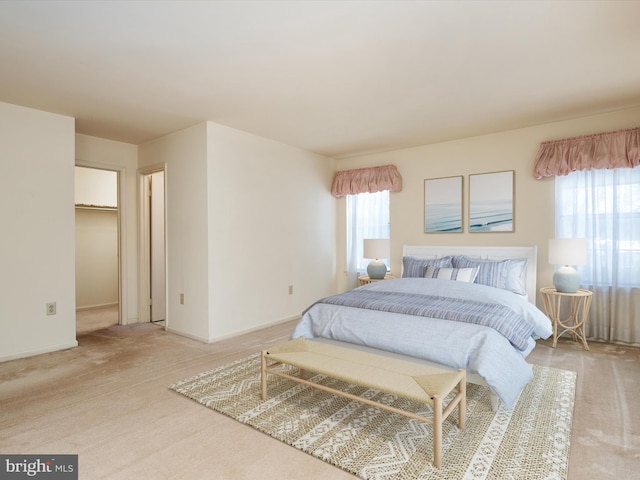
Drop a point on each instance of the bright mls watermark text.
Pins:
(51, 467)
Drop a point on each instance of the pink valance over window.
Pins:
(619, 149)
(363, 180)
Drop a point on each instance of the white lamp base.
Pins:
(566, 280)
(376, 270)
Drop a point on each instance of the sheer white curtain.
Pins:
(367, 217)
(603, 206)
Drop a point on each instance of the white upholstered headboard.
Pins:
(497, 253)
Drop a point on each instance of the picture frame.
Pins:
(443, 205)
(491, 202)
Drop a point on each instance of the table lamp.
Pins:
(376, 248)
(567, 252)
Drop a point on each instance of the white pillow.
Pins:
(460, 274)
(516, 280)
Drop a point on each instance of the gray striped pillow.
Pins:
(415, 267)
(490, 272)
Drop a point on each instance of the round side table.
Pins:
(579, 304)
(364, 279)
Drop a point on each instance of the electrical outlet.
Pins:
(182, 299)
(51, 308)
(290, 289)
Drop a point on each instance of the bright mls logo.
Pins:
(51, 467)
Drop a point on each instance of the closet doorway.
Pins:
(153, 247)
(97, 249)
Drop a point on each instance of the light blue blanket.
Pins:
(476, 348)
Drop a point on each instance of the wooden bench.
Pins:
(417, 382)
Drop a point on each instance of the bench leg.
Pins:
(462, 406)
(437, 431)
(263, 374)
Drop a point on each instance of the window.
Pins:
(603, 206)
(367, 217)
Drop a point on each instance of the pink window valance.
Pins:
(620, 149)
(362, 180)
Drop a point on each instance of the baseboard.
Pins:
(231, 335)
(183, 334)
(40, 351)
(252, 329)
(93, 307)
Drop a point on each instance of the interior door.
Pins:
(157, 247)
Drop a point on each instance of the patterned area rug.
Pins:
(529, 442)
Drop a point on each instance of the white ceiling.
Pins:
(339, 78)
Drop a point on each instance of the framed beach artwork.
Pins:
(491, 202)
(443, 205)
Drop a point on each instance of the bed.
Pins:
(458, 307)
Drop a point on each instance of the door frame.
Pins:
(144, 246)
(122, 234)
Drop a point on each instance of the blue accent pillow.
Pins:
(505, 274)
(413, 267)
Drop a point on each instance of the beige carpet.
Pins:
(530, 442)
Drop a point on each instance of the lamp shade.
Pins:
(376, 248)
(567, 252)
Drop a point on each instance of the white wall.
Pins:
(37, 240)
(96, 187)
(122, 157)
(511, 150)
(271, 224)
(246, 218)
(184, 155)
(96, 257)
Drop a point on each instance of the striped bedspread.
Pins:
(490, 314)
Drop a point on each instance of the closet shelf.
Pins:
(83, 206)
